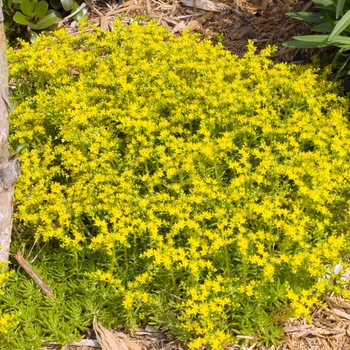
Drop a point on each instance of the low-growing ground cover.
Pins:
(171, 183)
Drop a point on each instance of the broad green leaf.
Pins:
(339, 8)
(345, 73)
(33, 36)
(307, 16)
(336, 56)
(308, 42)
(329, 19)
(80, 14)
(51, 18)
(56, 4)
(27, 7)
(340, 56)
(340, 40)
(22, 147)
(41, 9)
(312, 38)
(20, 18)
(341, 25)
(67, 4)
(341, 69)
(323, 28)
(8, 20)
(324, 3)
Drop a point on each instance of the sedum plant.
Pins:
(332, 19)
(209, 192)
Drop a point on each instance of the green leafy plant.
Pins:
(208, 194)
(38, 15)
(332, 19)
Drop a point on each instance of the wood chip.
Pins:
(173, 10)
(207, 5)
(82, 343)
(148, 7)
(165, 24)
(290, 346)
(264, 4)
(341, 313)
(244, 31)
(131, 344)
(180, 27)
(286, 6)
(306, 7)
(291, 329)
(338, 303)
(194, 24)
(104, 22)
(93, 8)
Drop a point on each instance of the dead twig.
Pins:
(148, 7)
(172, 295)
(92, 8)
(36, 278)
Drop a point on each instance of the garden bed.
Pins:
(233, 24)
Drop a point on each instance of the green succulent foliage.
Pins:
(38, 15)
(332, 20)
(39, 320)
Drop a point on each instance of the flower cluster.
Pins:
(219, 182)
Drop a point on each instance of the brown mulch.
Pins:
(142, 339)
(264, 22)
(329, 330)
(236, 21)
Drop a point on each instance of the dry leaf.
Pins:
(111, 341)
(131, 344)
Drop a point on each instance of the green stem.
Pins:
(126, 256)
(218, 179)
(174, 281)
(227, 259)
(75, 254)
(111, 269)
(126, 261)
(244, 271)
(135, 245)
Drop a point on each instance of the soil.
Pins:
(235, 22)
